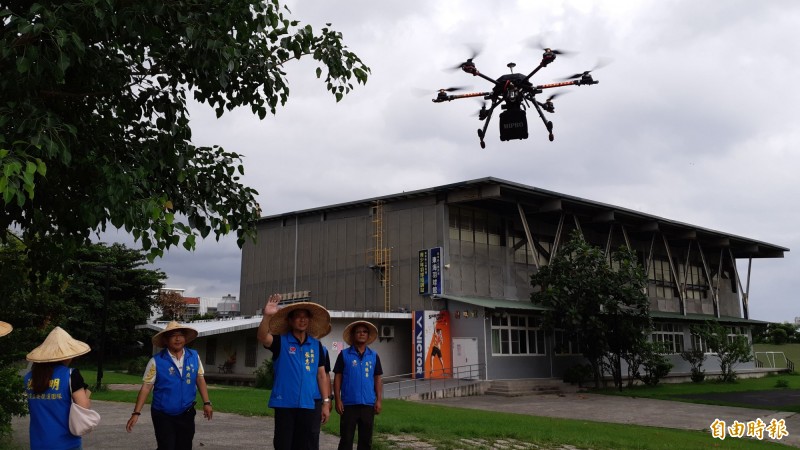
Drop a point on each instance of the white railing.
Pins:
(404, 385)
(770, 359)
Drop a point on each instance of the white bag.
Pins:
(81, 420)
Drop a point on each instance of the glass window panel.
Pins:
(495, 341)
(480, 227)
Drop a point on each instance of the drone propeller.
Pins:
(426, 92)
(481, 111)
(555, 94)
(600, 64)
(538, 43)
(454, 89)
(474, 51)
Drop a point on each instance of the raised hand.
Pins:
(272, 305)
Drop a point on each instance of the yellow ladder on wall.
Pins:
(382, 256)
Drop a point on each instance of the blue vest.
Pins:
(358, 377)
(295, 370)
(174, 393)
(49, 429)
(318, 397)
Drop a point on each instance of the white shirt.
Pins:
(150, 371)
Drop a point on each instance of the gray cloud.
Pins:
(694, 119)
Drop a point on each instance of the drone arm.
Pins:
(561, 84)
(447, 98)
(534, 72)
(548, 124)
(548, 57)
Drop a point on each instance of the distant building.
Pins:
(192, 307)
(228, 307)
(445, 273)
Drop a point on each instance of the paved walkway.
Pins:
(229, 431)
(224, 431)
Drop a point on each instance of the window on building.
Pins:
(495, 230)
(733, 333)
(698, 343)
(696, 284)
(250, 350)
(516, 335)
(736, 332)
(669, 335)
(660, 277)
(524, 254)
(481, 227)
(211, 351)
(478, 226)
(563, 344)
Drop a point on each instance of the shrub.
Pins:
(696, 358)
(137, 365)
(265, 376)
(577, 374)
(781, 383)
(647, 363)
(12, 400)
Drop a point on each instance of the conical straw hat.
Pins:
(160, 338)
(347, 335)
(5, 328)
(317, 324)
(58, 346)
(327, 332)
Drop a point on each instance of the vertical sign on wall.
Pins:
(439, 359)
(423, 273)
(436, 270)
(418, 352)
(432, 353)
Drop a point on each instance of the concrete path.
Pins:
(229, 431)
(224, 431)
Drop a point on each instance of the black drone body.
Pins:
(515, 93)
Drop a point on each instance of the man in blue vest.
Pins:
(174, 374)
(318, 401)
(357, 385)
(298, 364)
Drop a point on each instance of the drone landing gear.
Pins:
(547, 123)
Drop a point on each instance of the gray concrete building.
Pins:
(466, 251)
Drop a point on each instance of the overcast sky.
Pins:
(696, 119)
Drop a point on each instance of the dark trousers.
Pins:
(316, 426)
(361, 416)
(293, 428)
(174, 432)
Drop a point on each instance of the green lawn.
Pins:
(447, 427)
(673, 391)
(791, 351)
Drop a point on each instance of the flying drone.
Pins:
(514, 93)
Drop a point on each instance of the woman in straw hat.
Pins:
(299, 369)
(51, 387)
(357, 385)
(174, 374)
(5, 328)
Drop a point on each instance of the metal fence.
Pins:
(774, 360)
(404, 385)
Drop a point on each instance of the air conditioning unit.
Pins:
(387, 331)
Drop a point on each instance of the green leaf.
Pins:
(23, 64)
